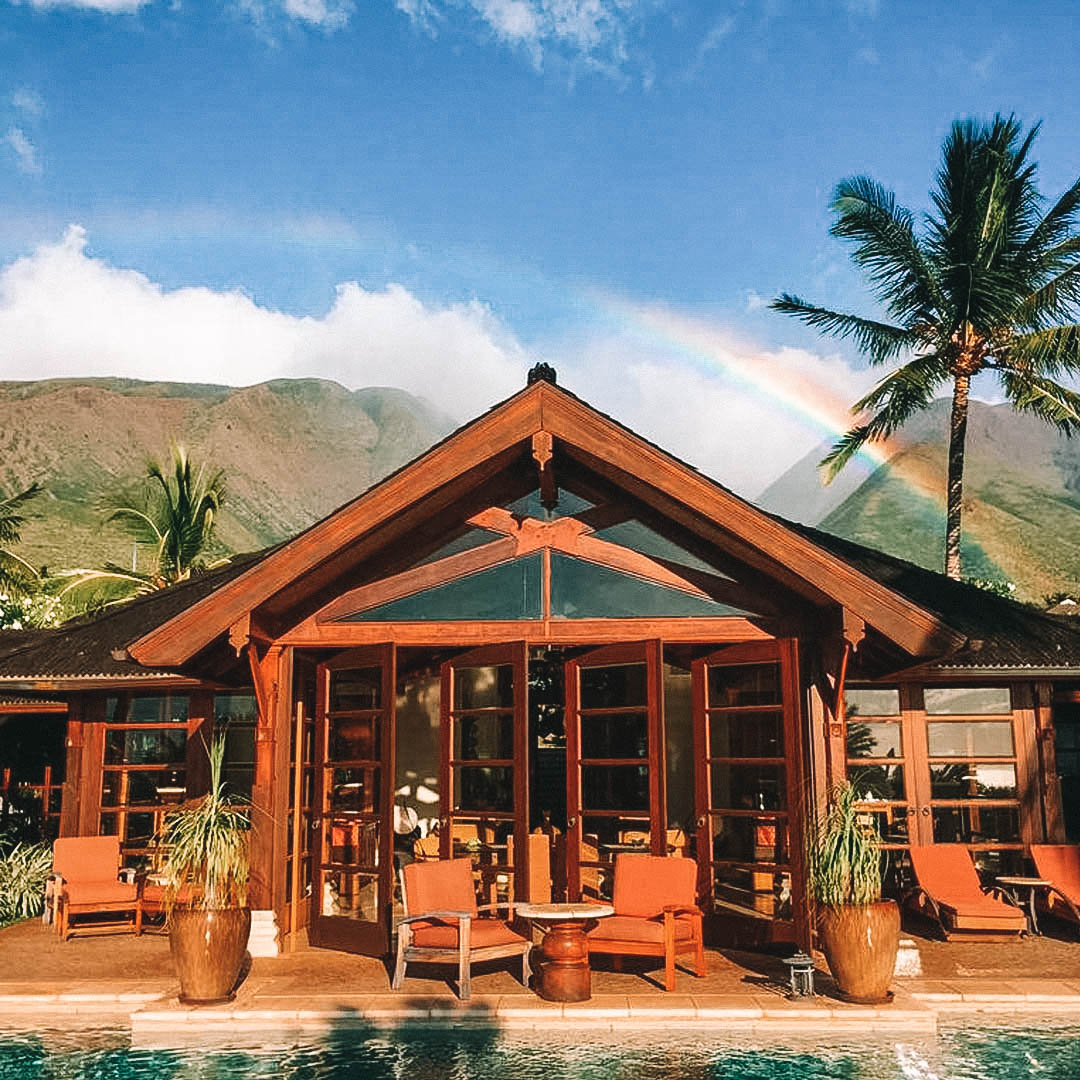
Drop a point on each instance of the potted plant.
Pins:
(859, 932)
(206, 875)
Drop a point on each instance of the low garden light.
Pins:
(801, 968)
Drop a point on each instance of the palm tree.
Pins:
(174, 517)
(990, 283)
(17, 576)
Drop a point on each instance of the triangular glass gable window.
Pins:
(512, 590)
(585, 590)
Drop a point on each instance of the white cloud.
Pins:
(108, 7)
(28, 102)
(26, 155)
(596, 31)
(64, 313)
(755, 301)
(869, 8)
(330, 15)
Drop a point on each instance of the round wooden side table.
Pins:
(564, 969)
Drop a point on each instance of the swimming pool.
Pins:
(427, 1053)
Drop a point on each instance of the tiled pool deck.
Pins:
(123, 981)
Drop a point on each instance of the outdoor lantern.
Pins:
(802, 974)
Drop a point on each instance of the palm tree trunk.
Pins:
(954, 494)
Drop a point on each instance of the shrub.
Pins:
(23, 870)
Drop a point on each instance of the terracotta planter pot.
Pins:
(860, 945)
(208, 950)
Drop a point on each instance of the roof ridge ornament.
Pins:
(541, 373)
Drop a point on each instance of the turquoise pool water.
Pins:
(1049, 1053)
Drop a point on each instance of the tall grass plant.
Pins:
(844, 857)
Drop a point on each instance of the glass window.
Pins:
(354, 738)
(638, 537)
(866, 702)
(614, 686)
(148, 709)
(874, 783)
(354, 789)
(471, 538)
(968, 780)
(873, 740)
(490, 687)
(131, 746)
(969, 701)
(891, 822)
(615, 787)
(512, 590)
(484, 787)
(142, 787)
(736, 734)
(622, 735)
(749, 839)
(583, 590)
(739, 685)
(976, 824)
(237, 715)
(484, 736)
(747, 787)
(982, 739)
(356, 688)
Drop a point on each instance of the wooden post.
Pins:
(265, 823)
(200, 734)
(1049, 781)
(69, 803)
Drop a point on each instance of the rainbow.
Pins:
(819, 407)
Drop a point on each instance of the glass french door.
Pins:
(748, 777)
(354, 739)
(484, 772)
(614, 762)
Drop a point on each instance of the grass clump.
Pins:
(844, 856)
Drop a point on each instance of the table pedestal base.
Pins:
(564, 968)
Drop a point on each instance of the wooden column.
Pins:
(200, 734)
(69, 804)
(1049, 781)
(91, 761)
(1028, 763)
(798, 808)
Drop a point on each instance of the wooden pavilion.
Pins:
(544, 642)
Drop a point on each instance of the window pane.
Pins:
(744, 684)
(354, 789)
(140, 830)
(353, 842)
(350, 895)
(748, 787)
(956, 739)
(614, 686)
(974, 701)
(624, 735)
(139, 788)
(872, 702)
(976, 824)
(749, 839)
(158, 709)
(354, 737)
(239, 708)
(134, 747)
(873, 740)
(873, 782)
(965, 780)
(615, 787)
(484, 787)
(484, 687)
(485, 735)
(891, 822)
(360, 688)
(746, 735)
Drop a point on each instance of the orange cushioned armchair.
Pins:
(656, 913)
(441, 923)
(86, 881)
(948, 889)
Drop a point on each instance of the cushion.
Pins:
(101, 892)
(155, 895)
(446, 885)
(631, 928)
(87, 858)
(947, 873)
(646, 884)
(482, 934)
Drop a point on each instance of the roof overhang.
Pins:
(645, 470)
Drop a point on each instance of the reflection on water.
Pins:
(478, 1051)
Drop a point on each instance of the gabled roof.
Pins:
(601, 443)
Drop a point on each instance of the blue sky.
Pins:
(435, 193)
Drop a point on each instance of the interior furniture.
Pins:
(442, 925)
(948, 890)
(655, 913)
(86, 881)
(1059, 864)
(564, 973)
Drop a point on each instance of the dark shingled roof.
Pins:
(1001, 633)
(85, 649)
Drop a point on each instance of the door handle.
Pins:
(701, 822)
(911, 811)
(926, 811)
(571, 822)
(316, 824)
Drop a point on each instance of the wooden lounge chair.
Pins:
(1060, 864)
(441, 923)
(948, 889)
(656, 913)
(86, 881)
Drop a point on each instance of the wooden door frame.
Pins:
(332, 931)
(651, 653)
(784, 651)
(515, 654)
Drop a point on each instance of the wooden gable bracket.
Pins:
(542, 451)
(854, 629)
(264, 680)
(244, 631)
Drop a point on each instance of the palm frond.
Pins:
(1050, 351)
(1056, 404)
(878, 341)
